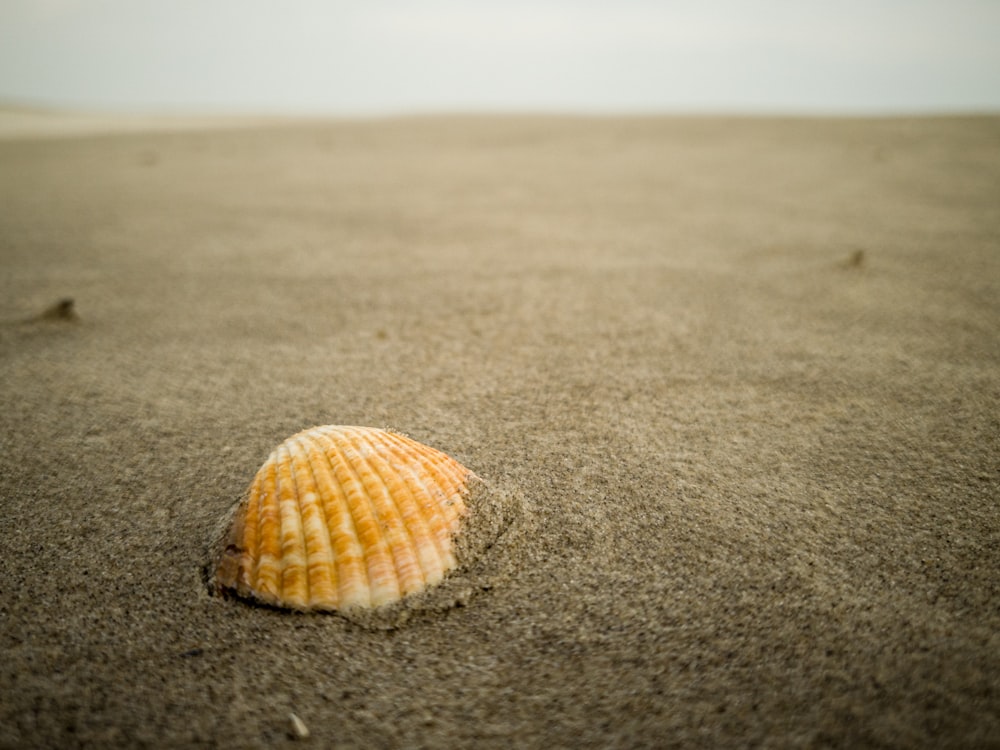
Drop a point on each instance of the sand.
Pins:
(743, 375)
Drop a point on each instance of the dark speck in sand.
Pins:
(63, 310)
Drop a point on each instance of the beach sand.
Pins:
(742, 374)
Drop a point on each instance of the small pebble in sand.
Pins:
(299, 729)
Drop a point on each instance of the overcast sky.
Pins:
(389, 56)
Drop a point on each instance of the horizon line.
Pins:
(49, 107)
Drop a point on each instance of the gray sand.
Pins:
(741, 374)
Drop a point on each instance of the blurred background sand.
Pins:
(743, 372)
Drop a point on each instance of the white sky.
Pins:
(388, 56)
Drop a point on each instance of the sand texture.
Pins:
(740, 379)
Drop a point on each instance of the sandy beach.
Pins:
(742, 374)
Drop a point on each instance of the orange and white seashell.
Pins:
(344, 517)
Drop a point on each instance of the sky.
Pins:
(414, 56)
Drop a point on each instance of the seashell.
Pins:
(344, 517)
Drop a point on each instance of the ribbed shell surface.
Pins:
(341, 517)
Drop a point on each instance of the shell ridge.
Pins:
(440, 523)
(320, 571)
(300, 525)
(449, 484)
(452, 472)
(270, 534)
(431, 499)
(456, 475)
(330, 556)
(248, 543)
(294, 555)
(435, 568)
(424, 497)
(455, 471)
(251, 533)
(409, 516)
(403, 553)
(348, 570)
(379, 543)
